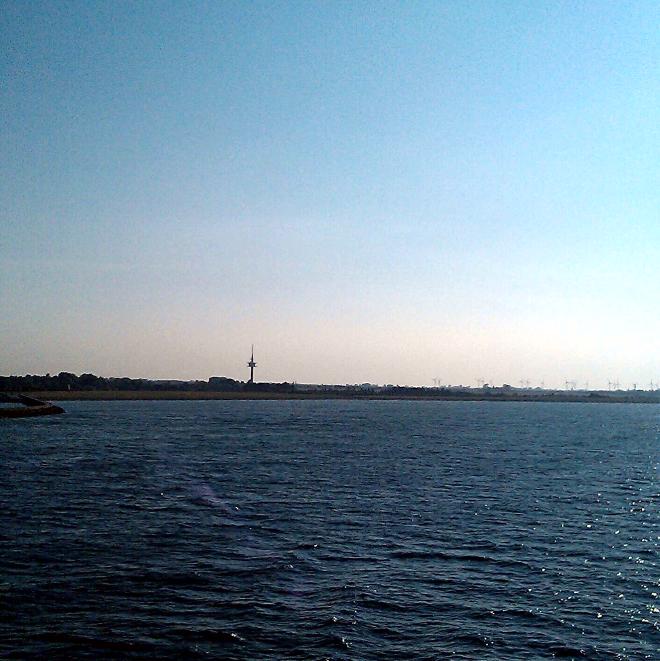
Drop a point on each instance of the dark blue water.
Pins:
(331, 530)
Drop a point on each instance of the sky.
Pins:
(368, 192)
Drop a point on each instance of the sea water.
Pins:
(330, 530)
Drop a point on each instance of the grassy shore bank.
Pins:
(148, 395)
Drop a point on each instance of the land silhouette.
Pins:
(69, 386)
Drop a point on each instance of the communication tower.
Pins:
(252, 365)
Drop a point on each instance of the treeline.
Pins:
(69, 381)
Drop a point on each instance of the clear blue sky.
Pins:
(385, 192)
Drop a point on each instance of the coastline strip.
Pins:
(151, 395)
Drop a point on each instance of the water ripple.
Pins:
(338, 530)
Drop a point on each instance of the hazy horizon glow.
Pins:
(368, 192)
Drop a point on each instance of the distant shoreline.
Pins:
(149, 395)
